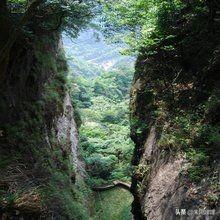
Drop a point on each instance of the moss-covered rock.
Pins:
(38, 145)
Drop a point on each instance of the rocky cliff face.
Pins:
(67, 135)
(165, 182)
(175, 124)
(40, 164)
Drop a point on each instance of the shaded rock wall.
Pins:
(38, 144)
(173, 116)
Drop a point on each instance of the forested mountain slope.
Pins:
(100, 80)
(89, 54)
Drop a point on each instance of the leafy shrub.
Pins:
(196, 173)
(99, 166)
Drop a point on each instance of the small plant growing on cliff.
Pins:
(199, 164)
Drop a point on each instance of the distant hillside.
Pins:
(89, 54)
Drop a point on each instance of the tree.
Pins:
(24, 17)
(145, 24)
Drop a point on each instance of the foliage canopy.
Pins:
(144, 24)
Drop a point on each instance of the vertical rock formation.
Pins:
(175, 125)
(67, 134)
(38, 143)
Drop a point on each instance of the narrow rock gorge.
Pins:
(109, 109)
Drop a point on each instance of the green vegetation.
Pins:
(113, 204)
(175, 88)
(50, 16)
(104, 133)
(177, 69)
(143, 24)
